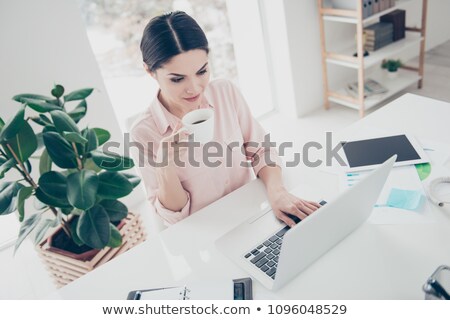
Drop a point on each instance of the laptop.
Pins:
(274, 254)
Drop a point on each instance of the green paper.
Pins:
(424, 170)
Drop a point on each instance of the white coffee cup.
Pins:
(200, 123)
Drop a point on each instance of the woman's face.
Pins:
(183, 80)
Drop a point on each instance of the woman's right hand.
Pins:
(167, 151)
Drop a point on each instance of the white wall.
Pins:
(302, 48)
(44, 43)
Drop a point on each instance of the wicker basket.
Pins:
(64, 269)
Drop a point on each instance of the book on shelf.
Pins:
(397, 18)
(373, 46)
(379, 28)
(371, 88)
(378, 35)
(380, 40)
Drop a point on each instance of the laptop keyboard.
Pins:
(265, 255)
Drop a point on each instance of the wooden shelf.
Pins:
(414, 37)
(403, 80)
(375, 57)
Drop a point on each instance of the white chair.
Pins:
(155, 222)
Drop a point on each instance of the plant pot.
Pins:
(65, 266)
(392, 74)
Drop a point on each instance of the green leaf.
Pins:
(73, 231)
(60, 151)
(116, 210)
(89, 164)
(38, 121)
(45, 163)
(111, 161)
(24, 143)
(67, 210)
(40, 106)
(52, 201)
(53, 189)
(43, 120)
(63, 122)
(25, 229)
(46, 119)
(58, 91)
(42, 228)
(57, 103)
(90, 135)
(82, 189)
(12, 127)
(113, 185)
(5, 166)
(49, 128)
(8, 193)
(134, 180)
(115, 240)
(93, 227)
(79, 112)
(102, 135)
(78, 94)
(75, 137)
(24, 193)
(21, 97)
(2, 124)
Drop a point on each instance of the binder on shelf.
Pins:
(369, 8)
(384, 5)
(365, 4)
(375, 6)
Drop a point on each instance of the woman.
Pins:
(175, 53)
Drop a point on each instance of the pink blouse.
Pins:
(236, 133)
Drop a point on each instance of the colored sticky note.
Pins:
(405, 199)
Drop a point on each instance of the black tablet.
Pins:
(365, 154)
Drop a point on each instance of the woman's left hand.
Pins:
(284, 203)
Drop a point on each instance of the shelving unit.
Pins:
(344, 58)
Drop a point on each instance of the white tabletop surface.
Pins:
(374, 262)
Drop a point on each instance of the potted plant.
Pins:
(391, 66)
(76, 187)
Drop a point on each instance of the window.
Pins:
(115, 28)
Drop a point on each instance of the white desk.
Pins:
(374, 262)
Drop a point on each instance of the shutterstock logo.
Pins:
(215, 154)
